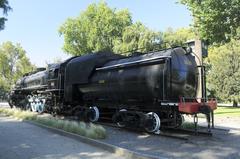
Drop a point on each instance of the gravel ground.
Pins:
(223, 144)
(228, 122)
(224, 122)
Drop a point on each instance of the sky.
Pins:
(34, 24)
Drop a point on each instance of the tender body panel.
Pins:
(163, 75)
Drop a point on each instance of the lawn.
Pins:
(227, 111)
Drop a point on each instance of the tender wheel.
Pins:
(153, 122)
(121, 123)
(94, 114)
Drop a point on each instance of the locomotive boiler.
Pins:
(141, 90)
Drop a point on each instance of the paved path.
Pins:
(4, 104)
(20, 140)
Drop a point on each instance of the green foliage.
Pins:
(23, 115)
(227, 111)
(215, 20)
(94, 30)
(224, 71)
(5, 7)
(13, 64)
(137, 37)
(219, 22)
(178, 37)
(101, 28)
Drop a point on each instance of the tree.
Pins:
(13, 64)
(137, 37)
(224, 74)
(177, 37)
(215, 20)
(95, 29)
(5, 7)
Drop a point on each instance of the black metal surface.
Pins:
(33, 82)
(164, 75)
(139, 83)
(146, 78)
(80, 69)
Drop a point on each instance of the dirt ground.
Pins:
(224, 122)
(228, 122)
(223, 144)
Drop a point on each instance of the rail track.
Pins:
(192, 132)
(176, 133)
(160, 133)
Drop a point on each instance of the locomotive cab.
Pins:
(53, 70)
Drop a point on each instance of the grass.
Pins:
(224, 111)
(227, 111)
(188, 125)
(89, 130)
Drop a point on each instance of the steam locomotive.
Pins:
(142, 90)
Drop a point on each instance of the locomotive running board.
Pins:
(36, 87)
(128, 64)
